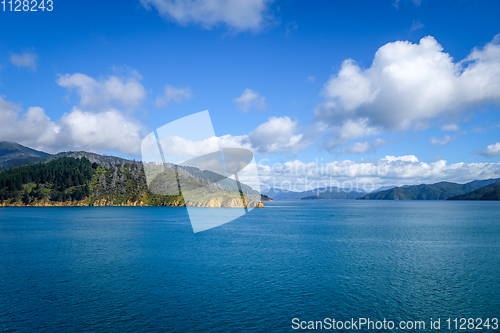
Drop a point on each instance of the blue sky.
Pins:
(275, 76)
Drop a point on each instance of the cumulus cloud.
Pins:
(173, 94)
(77, 130)
(32, 127)
(175, 148)
(109, 130)
(277, 135)
(248, 99)
(357, 148)
(490, 151)
(24, 60)
(238, 15)
(443, 141)
(390, 170)
(127, 92)
(363, 147)
(407, 86)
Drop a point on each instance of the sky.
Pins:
(379, 92)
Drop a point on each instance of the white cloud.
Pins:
(128, 92)
(407, 86)
(363, 147)
(443, 141)
(238, 15)
(110, 130)
(248, 99)
(106, 131)
(311, 78)
(416, 26)
(490, 151)
(24, 60)
(277, 135)
(391, 170)
(32, 128)
(350, 129)
(357, 148)
(173, 94)
(450, 128)
(175, 148)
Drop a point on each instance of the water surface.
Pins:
(142, 269)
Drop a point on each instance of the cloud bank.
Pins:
(390, 170)
(407, 87)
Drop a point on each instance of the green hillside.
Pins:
(490, 192)
(12, 153)
(438, 191)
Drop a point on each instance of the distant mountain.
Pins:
(12, 153)
(438, 191)
(280, 195)
(335, 194)
(490, 192)
(316, 194)
(485, 182)
(383, 188)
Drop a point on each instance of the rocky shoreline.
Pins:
(105, 203)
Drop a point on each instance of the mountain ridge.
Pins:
(489, 192)
(12, 153)
(436, 191)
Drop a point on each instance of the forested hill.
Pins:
(72, 181)
(69, 181)
(490, 192)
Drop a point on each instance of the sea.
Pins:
(292, 266)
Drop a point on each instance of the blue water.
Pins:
(131, 269)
